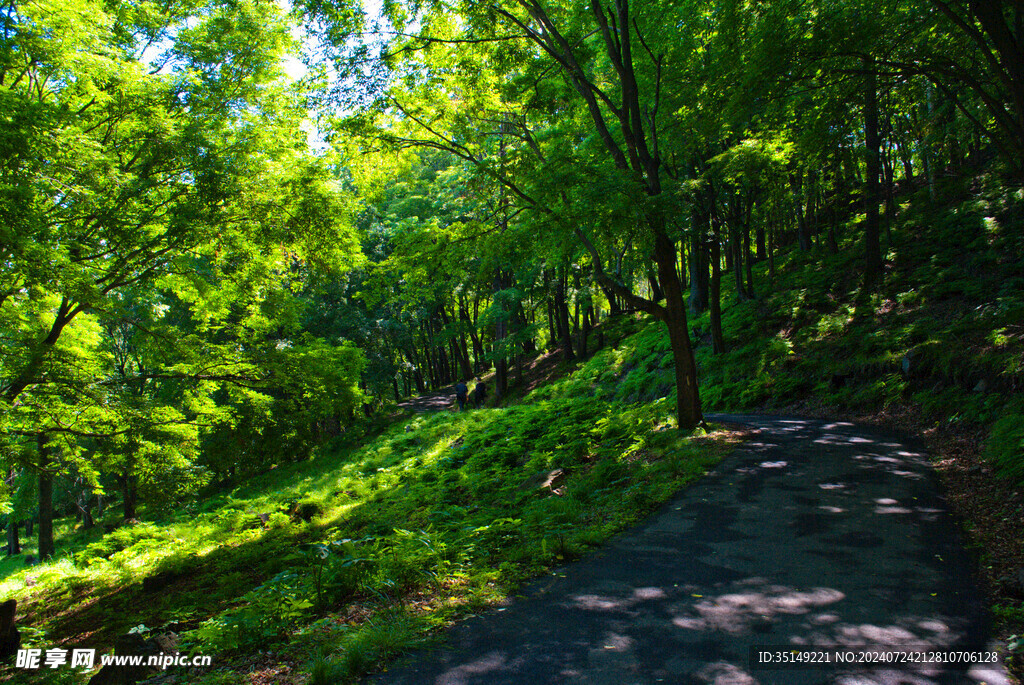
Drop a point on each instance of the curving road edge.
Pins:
(824, 536)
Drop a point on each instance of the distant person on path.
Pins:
(479, 394)
(460, 394)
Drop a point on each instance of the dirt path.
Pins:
(442, 400)
(814, 534)
(536, 371)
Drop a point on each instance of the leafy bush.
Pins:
(338, 569)
(1005, 445)
(121, 539)
(270, 610)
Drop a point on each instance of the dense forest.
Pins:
(220, 270)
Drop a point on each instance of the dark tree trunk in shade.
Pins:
(562, 316)
(478, 348)
(698, 259)
(748, 256)
(84, 504)
(13, 543)
(656, 292)
(500, 333)
(529, 345)
(872, 248)
(459, 352)
(737, 255)
(129, 490)
(46, 546)
(588, 322)
(614, 307)
(717, 339)
(796, 185)
(688, 409)
(761, 243)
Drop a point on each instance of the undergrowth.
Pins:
(944, 332)
(344, 561)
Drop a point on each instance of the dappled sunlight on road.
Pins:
(469, 672)
(724, 673)
(814, 535)
(754, 602)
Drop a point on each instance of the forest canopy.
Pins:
(191, 292)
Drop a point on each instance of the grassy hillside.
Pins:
(329, 567)
(938, 349)
(944, 331)
(325, 569)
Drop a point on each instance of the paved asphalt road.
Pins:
(813, 533)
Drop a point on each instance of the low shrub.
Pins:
(1005, 444)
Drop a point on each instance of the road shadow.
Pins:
(812, 534)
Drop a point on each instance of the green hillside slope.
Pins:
(339, 563)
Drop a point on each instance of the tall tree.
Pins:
(620, 105)
(142, 153)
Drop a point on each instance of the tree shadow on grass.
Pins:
(814, 534)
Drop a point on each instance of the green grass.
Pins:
(437, 516)
(371, 548)
(951, 303)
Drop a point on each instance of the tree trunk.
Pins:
(460, 369)
(729, 255)
(748, 257)
(13, 544)
(761, 243)
(698, 264)
(811, 211)
(500, 333)
(428, 354)
(889, 174)
(872, 248)
(656, 291)
(84, 504)
(737, 256)
(562, 317)
(717, 339)
(833, 235)
(927, 158)
(478, 348)
(46, 546)
(445, 371)
(796, 184)
(908, 165)
(588, 322)
(688, 407)
(464, 349)
(1006, 37)
(458, 344)
(129, 490)
(614, 307)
